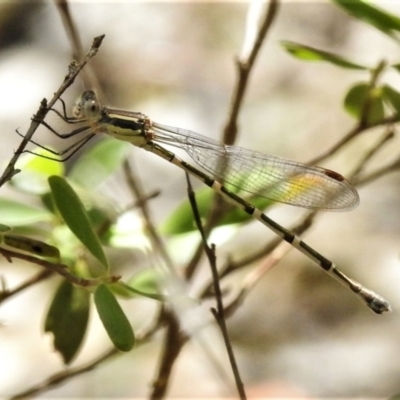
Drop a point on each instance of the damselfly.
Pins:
(260, 174)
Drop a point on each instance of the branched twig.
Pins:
(217, 211)
(388, 135)
(60, 269)
(6, 293)
(65, 375)
(74, 70)
(362, 124)
(219, 313)
(244, 68)
(173, 344)
(251, 279)
(135, 186)
(352, 134)
(60, 377)
(392, 167)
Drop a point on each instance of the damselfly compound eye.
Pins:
(91, 109)
(87, 106)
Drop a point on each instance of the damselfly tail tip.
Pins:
(379, 305)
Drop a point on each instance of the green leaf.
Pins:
(356, 98)
(98, 163)
(182, 221)
(4, 228)
(35, 171)
(382, 20)
(144, 284)
(113, 318)
(67, 319)
(392, 97)
(75, 216)
(128, 292)
(311, 54)
(146, 281)
(14, 213)
(32, 246)
(396, 67)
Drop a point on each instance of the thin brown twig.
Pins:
(60, 269)
(89, 78)
(392, 167)
(362, 124)
(217, 211)
(387, 136)
(173, 344)
(356, 130)
(136, 188)
(65, 375)
(254, 276)
(41, 276)
(219, 312)
(244, 69)
(73, 71)
(379, 173)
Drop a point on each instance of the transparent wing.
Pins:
(268, 176)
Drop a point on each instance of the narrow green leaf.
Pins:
(128, 292)
(4, 228)
(392, 97)
(396, 67)
(98, 163)
(382, 20)
(14, 213)
(311, 54)
(182, 221)
(32, 246)
(144, 284)
(356, 98)
(113, 318)
(147, 281)
(75, 216)
(67, 319)
(35, 171)
(120, 289)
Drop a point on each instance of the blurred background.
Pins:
(298, 333)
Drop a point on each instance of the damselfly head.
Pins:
(87, 106)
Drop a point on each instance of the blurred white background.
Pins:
(299, 333)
